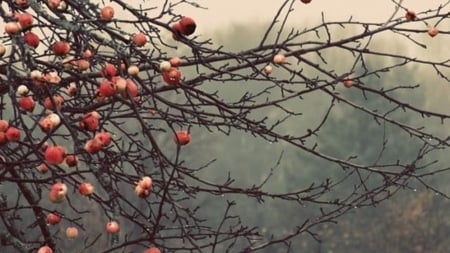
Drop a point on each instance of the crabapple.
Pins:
(279, 59)
(139, 39)
(45, 249)
(58, 193)
(61, 48)
(71, 232)
(152, 250)
(22, 90)
(26, 103)
(268, 69)
(86, 189)
(71, 160)
(53, 218)
(104, 138)
(172, 76)
(12, 134)
(182, 137)
(112, 227)
(90, 121)
(146, 182)
(93, 146)
(410, 15)
(187, 26)
(3, 125)
(109, 70)
(433, 31)
(12, 28)
(107, 13)
(348, 83)
(25, 20)
(107, 88)
(165, 66)
(176, 31)
(175, 61)
(31, 39)
(133, 70)
(43, 168)
(55, 154)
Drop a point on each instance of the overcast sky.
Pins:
(223, 12)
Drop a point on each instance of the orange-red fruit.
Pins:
(83, 64)
(107, 88)
(12, 134)
(187, 26)
(26, 103)
(93, 146)
(141, 192)
(133, 70)
(87, 54)
(53, 218)
(61, 48)
(43, 168)
(31, 39)
(71, 160)
(12, 28)
(112, 227)
(279, 59)
(306, 1)
(3, 125)
(58, 192)
(109, 70)
(146, 182)
(139, 39)
(176, 31)
(71, 232)
(45, 249)
(86, 189)
(410, 15)
(172, 77)
(46, 125)
(107, 13)
(131, 88)
(348, 83)
(152, 250)
(53, 4)
(55, 154)
(89, 121)
(175, 61)
(182, 137)
(433, 31)
(59, 102)
(103, 137)
(25, 20)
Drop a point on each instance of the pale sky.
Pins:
(223, 12)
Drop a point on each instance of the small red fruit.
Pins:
(25, 20)
(61, 48)
(90, 121)
(71, 232)
(26, 103)
(71, 160)
(146, 182)
(104, 138)
(433, 31)
(139, 39)
(176, 31)
(55, 154)
(187, 26)
(141, 192)
(107, 88)
(175, 61)
(86, 189)
(172, 77)
(306, 1)
(152, 250)
(93, 146)
(410, 15)
(12, 28)
(31, 39)
(45, 249)
(82, 64)
(57, 99)
(107, 13)
(53, 218)
(279, 59)
(112, 227)
(58, 193)
(182, 137)
(43, 168)
(348, 83)
(53, 4)
(109, 70)
(12, 134)
(3, 125)
(133, 70)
